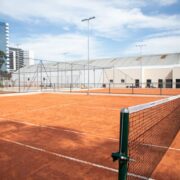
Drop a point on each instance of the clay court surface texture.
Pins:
(58, 136)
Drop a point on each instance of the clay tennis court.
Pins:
(55, 136)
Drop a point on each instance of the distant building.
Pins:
(28, 57)
(20, 58)
(150, 71)
(4, 43)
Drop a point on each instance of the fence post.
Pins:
(41, 75)
(19, 78)
(57, 76)
(94, 78)
(122, 154)
(132, 88)
(71, 85)
(109, 88)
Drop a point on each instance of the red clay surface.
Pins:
(148, 91)
(37, 130)
(170, 164)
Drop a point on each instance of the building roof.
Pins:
(148, 60)
(163, 60)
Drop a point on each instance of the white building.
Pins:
(20, 58)
(4, 43)
(151, 71)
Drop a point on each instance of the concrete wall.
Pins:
(129, 75)
(176, 74)
(158, 73)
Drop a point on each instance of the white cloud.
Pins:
(164, 34)
(60, 47)
(114, 19)
(166, 2)
(156, 45)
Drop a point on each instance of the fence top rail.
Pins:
(141, 107)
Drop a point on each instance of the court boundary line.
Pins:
(71, 158)
(20, 94)
(111, 94)
(83, 133)
(81, 93)
(163, 147)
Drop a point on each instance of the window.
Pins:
(177, 83)
(160, 83)
(122, 81)
(148, 83)
(136, 82)
(168, 83)
(111, 80)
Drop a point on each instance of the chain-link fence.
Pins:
(80, 78)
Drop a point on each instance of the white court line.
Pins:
(104, 94)
(82, 133)
(65, 130)
(71, 158)
(61, 155)
(20, 94)
(163, 147)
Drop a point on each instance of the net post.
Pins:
(122, 154)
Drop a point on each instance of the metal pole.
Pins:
(71, 86)
(19, 73)
(41, 74)
(103, 75)
(58, 76)
(122, 154)
(62, 78)
(65, 76)
(88, 19)
(19, 77)
(113, 76)
(84, 75)
(94, 78)
(51, 85)
(24, 81)
(37, 77)
(88, 57)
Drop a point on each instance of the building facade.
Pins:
(4, 44)
(20, 58)
(154, 71)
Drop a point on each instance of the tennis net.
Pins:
(151, 129)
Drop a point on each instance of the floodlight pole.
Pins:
(140, 47)
(83, 20)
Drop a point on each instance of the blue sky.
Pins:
(53, 29)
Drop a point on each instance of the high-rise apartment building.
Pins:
(20, 58)
(4, 44)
